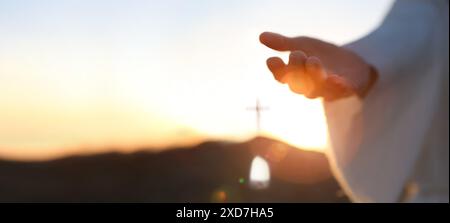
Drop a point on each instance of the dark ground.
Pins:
(178, 175)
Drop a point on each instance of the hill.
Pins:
(208, 172)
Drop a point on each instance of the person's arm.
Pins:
(321, 69)
(375, 143)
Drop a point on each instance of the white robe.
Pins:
(393, 145)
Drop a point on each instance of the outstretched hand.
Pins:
(317, 68)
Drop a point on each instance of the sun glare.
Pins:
(307, 132)
(294, 119)
(135, 79)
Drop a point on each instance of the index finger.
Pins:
(275, 41)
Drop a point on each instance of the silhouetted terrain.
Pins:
(176, 175)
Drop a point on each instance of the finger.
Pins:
(277, 67)
(315, 73)
(282, 43)
(314, 90)
(297, 59)
(296, 73)
(315, 69)
(274, 41)
(310, 88)
(295, 84)
(312, 95)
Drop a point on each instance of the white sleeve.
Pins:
(401, 39)
(376, 142)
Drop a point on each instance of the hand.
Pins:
(317, 68)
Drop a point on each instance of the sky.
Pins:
(88, 76)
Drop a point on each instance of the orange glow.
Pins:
(129, 80)
(294, 119)
(219, 196)
(42, 131)
(303, 125)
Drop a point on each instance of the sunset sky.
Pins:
(82, 76)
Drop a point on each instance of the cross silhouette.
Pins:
(258, 109)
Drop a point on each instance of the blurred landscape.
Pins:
(209, 172)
